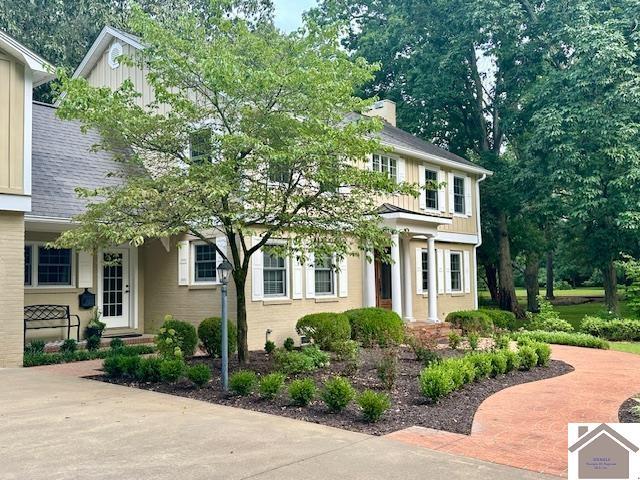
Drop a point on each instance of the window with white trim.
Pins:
(425, 270)
(204, 263)
(385, 164)
(200, 146)
(456, 271)
(324, 276)
(274, 275)
(28, 265)
(47, 267)
(459, 195)
(431, 192)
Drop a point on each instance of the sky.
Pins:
(289, 12)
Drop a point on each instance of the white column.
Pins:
(369, 281)
(433, 289)
(406, 280)
(396, 277)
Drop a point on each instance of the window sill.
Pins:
(277, 301)
(206, 286)
(461, 215)
(327, 299)
(50, 289)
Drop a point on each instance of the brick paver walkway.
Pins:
(526, 426)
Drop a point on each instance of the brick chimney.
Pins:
(385, 109)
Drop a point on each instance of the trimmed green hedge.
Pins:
(325, 329)
(375, 326)
(210, 335)
(502, 319)
(471, 321)
(562, 338)
(40, 358)
(617, 330)
(176, 334)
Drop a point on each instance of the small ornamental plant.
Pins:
(243, 382)
(373, 405)
(149, 369)
(269, 347)
(528, 357)
(116, 343)
(454, 340)
(337, 394)
(302, 391)
(270, 385)
(473, 339)
(171, 369)
(199, 374)
(69, 346)
(544, 353)
(289, 344)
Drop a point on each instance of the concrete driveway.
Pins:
(62, 427)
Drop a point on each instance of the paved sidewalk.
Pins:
(526, 426)
(59, 427)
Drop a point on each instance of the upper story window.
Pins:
(274, 275)
(324, 276)
(204, 263)
(200, 146)
(385, 164)
(459, 195)
(456, 271)
(431, 193)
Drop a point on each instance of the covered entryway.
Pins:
(383, 283)
(115, 287)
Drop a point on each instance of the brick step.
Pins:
(438, 331)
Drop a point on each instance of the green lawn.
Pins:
(575, 292)
(575, 313)
(629, 347)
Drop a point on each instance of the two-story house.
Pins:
(432, 273)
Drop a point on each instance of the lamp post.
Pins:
(224, 269)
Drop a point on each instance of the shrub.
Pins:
(347, 350)
(386, 369)
(436, 382)
(93, 342)
(116, 343)
(454, 340)
(120, 365)
(320, 358)
(481, 364)
(176, 338)
(211, 337)
(35, 359)
(528, 357)
(460, 370)
(426, 356)
(376, 326)
(324, 329)
(36, 346)
(548, 319)
(501, 319)
(199, 374)
(149, 369)
(243, 382)
(112, 366)
(302, 391)
(69, 346)
(512, 358)
(499, 363)
(616, 329)
(289, 344)
(473, 339)
(293, 362)
(544, 353)
(269, 347)
(129, 364)
(471, 321)
(563, 338)
(270, 385)
(129, 350)
(373, 405)
(337, 393)
(171, 369)
(502, 341)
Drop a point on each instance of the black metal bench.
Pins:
(37, 317)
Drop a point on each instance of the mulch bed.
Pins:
(625, 415)
(408, 406)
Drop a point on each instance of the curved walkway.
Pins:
(525, 426)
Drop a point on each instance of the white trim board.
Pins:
(436, 159)
(471, 239)
(40, 67)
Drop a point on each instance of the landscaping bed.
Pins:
(409, 407)
(626, 414)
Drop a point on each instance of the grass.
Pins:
(574, 292)
(575, 313)
(629, 347)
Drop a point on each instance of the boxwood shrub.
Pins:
(501, 319)
(302, 391)
(471, 321)
(294, 362)
(616, 329)
(337, 394)
(324, 329)
(210, 336)
(563, 338)
(375, 326)
(373, 405)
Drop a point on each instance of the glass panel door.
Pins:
(115, 288)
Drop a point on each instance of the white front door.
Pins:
(115, 296)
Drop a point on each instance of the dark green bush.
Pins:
(499, 363)
(471, 321)
(325, 329)
(337, 394)
(129, 364)
(129, 350)
(35, 359)
(32, 360)
(171, 369)
(436, 382)
(563, 338)
(373, 405)
(544, 353)
(270, 385)
(615, 330)
(302, 391)
(35, 346)
(454, 340)
(199, 374)
(481, 364)
(513, 359)
(211, 337)
(501, 319)
(376, 326)
(289, 344)
(320, 358)
(93, 330)
(69, 346)
(113, 366)
(528, 357)
(93, 342)
(269, 347)
(426, 356)
(243, 382)
(293, 362)
(149, 369)
(176, 338)
(116, 343)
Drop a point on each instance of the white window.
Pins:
(425, 270)
(48, 267)
(431, 193)
(456, 271)
(324, 276)
(459, 195)
(204, 263)
(385, 164)
(274, 275)
(200, 146)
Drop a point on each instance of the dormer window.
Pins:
(113, 56)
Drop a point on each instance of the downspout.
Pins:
(479, 236)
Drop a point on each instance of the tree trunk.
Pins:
(507, 290)
(240, 279)
(492, 280)
(610, 287)
(531, 281)
(550, 279)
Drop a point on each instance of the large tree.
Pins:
(275, 113)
